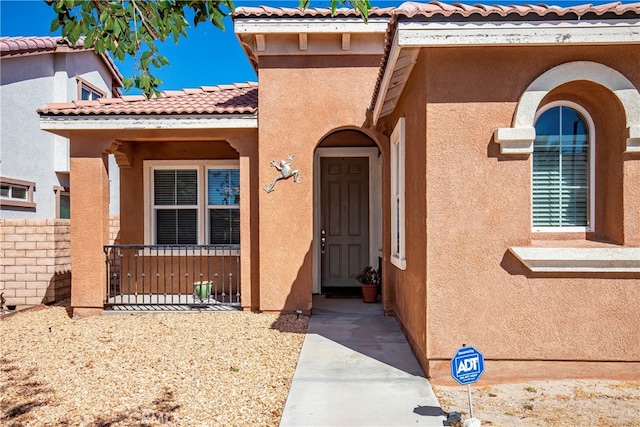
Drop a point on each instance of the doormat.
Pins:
(342, 293)
(342, 296)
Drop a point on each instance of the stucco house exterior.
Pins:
(487, 157)
(34, 165)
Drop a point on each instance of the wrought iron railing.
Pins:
(202, 275)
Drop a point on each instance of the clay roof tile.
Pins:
(225, 99)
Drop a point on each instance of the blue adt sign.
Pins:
(467, 365)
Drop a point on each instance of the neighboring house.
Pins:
(34, 165)
(488, 156)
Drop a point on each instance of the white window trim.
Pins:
(397, 140)
(201, 165)
(591, 211)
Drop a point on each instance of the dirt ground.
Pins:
(231, 369)
(206, 369)
(547, 403)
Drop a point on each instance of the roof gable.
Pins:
(37, 45)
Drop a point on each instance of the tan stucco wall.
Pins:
(478, 205)
(407, 287)
(303, 100)
(238, 144)
(89, 223)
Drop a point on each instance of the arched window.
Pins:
(563, 169)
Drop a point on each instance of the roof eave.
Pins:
(301, 35)
(419, 34)
(65, 123)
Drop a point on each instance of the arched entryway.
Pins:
(347, 205)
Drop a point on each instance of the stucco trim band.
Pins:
(426, 34)
(231, 121)
(579, 260)
(308, 25)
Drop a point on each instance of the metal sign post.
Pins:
(466, 367)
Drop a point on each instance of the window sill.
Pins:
(17, 204)
(399, 263)
(579, 259)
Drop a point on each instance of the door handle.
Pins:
(323, 240)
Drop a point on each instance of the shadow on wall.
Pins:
(59, 288)
(297, 307)
(493, 151)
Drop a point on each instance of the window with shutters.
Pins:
(193, 203)
(563, 173)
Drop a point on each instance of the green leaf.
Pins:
(131, 28)
(55, 24)
(74, 35)
(163, 60)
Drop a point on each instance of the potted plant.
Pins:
(202, 290)
(369, 280)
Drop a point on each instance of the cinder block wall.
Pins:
(114, 229)
(35, 264)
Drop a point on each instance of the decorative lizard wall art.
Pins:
(285, 172)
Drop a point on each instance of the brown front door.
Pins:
(344, 183)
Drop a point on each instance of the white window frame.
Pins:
(85, 85)
(203, 207)
(10, 201)
(398, 236)
(592, 151)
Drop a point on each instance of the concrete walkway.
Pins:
(356, 369)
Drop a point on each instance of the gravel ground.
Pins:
(206, 369)
(227, 368)
(548, 403)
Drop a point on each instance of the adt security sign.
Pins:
(467, 365)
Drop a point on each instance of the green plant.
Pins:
(369, 276)
(202, 290)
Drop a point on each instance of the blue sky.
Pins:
(207, 57)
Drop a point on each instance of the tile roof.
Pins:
(439, 9)
(239, 98)
(30, 45)
(312, 12)
(435, 8)
(21, 45)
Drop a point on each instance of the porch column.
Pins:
(245, 232)
(89, 180)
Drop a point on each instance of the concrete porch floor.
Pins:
(357, 369)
